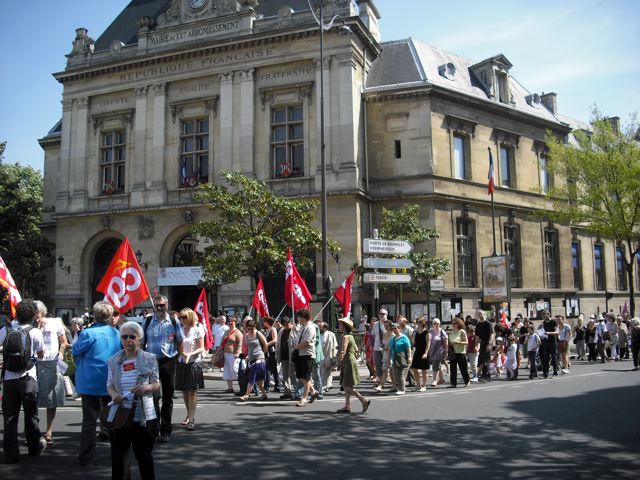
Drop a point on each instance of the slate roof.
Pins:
(409, 62)
(125, 27)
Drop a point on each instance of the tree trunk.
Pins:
(629, 267)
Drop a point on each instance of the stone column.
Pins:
(225, 139)
(62, 194)
(78, 156)
(348, 117)
(155, 166)
(139, 168)
(246, 154)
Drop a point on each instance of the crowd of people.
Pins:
(126, 372)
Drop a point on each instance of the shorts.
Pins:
(304, 366)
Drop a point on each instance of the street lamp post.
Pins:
(326, 279)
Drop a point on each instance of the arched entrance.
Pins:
(184, 296)
(101, 260)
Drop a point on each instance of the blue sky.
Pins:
(587, 51)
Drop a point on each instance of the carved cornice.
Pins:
(125, 117)
(506, 137)
(303, 91)
(461, 125)
(210, 105)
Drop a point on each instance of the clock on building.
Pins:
(196, 4)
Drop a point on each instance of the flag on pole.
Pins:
(625, 309)
(343, 294)
(123, 285)
(202, 310)
(296, 293)
(260, 300)
(491, 176)
(6, 280)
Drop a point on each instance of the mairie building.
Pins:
(175, 91)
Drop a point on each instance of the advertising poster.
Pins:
(495, 279)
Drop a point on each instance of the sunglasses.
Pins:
(128, 337)
(160, 305)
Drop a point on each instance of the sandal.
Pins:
(264, 397)
(48, 439)
(186, 421)
(434, 384)
(243, 398)
(314, 397)
(191, 426)
(344, 410)
(365, 406)
(301, 403)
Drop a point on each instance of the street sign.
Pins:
(436, 284)
(370, 262)
(386, 278)
(388, 247)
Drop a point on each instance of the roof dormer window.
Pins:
(502, 87)
(447, 70)
(533, 100)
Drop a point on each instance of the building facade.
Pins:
(176, 91)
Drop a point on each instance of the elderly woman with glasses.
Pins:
(438, 345)
(189, 376)
(132, 380)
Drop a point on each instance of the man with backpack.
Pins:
(163, 337)
(21, 345)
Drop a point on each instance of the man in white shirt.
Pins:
(378, 331)
(330, 350)
(219, 329)
(21, 389)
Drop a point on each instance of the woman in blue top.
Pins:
(400, 357)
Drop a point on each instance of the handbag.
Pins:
(122, 420)
(218, 357)
(400, 360)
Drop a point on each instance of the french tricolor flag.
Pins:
(491, 174)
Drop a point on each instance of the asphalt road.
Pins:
(581, 425)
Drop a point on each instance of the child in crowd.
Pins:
(512, 359)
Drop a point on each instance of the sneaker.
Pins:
(474, 379)
(400, 392)
(378, 388)
(423, 389)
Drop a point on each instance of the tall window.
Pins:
(502, 87)
(194, 152)
(576, 263)
(506, 163)
(466, 254)
(551, 258)
(598, 263)
(621, 272)
(512, 249)
(460, 160)
(112, 161)
(545, 179)
(287, 141)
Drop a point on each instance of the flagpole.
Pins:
(285, 306)
(322, 309)
(493, 216)
(250, 310)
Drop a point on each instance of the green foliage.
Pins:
(404, 224)
(601, 191)
(252, 229)
(21, 245)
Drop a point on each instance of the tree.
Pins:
(22, 246)
(600, 189)
(404, 224)
(252, 229)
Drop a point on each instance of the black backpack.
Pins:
(147, 322)
(16, 351)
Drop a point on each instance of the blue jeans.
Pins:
(315, 377)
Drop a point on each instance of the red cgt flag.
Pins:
(343, 295)
(503, 319)
(123, 285)
(296, 293)
(260, 300)
(202, 310)
(6, 281)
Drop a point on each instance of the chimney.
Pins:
(550, 101)
(370, 16)
(614, 122)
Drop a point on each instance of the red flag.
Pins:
(343, 295)
(123, 285)
(503, 319)
(260, 300)
(295, 289)
(6, 280)
(491, 176)
(202, 310)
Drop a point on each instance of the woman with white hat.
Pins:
(350, 375)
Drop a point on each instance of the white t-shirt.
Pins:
(532, 342)
(37, 345)
(190, 342)
(218, 334)
(565, 333)
(378, 328)
(50, 333)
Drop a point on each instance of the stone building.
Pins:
(175, 91)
